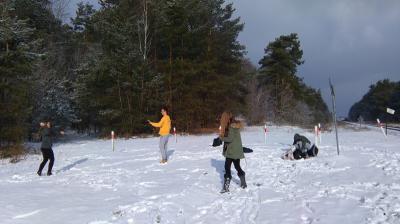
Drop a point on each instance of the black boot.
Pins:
(243, 181)
(226, 185)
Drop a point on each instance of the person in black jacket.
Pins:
(47, 134)
(301, 149)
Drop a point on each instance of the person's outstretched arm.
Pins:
(158, 124)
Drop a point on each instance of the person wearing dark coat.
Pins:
(47, 134)
(302, 145)
(302, 149)
(232, 149)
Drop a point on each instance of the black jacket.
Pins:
(47, 135)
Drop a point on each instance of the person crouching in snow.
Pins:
(301, 149)
(232, 149)
(165, 127)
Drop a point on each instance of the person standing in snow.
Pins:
(165, 127)
(46, 134)
(232, 149)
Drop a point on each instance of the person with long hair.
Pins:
(165, 127)
(232, 149)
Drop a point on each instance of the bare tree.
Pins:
(144, 44)
(143, 32)
(59, 8)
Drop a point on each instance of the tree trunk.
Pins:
(130, 111)
(119, 95)
(170, 77)
(141, 100)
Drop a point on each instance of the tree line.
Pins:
(380, 96)
(113, 68)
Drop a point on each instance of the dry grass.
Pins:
(15, 153)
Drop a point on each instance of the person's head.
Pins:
(164, 110)
(226, 119)
(48, 124)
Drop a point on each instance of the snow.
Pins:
(92, 184)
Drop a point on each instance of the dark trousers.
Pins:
(47, 155)
(236, 163)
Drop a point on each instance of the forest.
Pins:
(373, 105)
(114, 67)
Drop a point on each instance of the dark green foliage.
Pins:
(282, 58)
(114, 68)
(52, 77)
(183, 54)
(83, 17)
(289, 99)
(35, 67)
(115, 85)
(201, 59)
(16, 56)
(394, 103)
(373, 105)
(38, 15)
(318, 109)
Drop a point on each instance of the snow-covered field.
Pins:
(94, 185)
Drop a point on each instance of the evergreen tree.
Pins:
(56, 103)
(83, 17)
(201, 60)
(394, 103)
(17, 53)
(184, 54)
(52, 76)
(278, 72)
(289, 99)
(373, 104)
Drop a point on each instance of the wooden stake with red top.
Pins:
(176, 139)
(112, 140)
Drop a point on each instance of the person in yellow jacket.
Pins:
(165, 128)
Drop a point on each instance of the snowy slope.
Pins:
(94, 185)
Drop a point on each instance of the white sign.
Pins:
(390, 111)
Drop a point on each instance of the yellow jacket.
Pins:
(164, 125)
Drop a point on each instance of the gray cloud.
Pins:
(355, 42)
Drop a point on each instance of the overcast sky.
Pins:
(355, 42)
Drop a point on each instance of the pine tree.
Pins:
(373, 105)
(278, 71)
(16, 60)
(290, 100)
(83, 17)
(50, 90)
(394, 103)
(183, 54)
(201, 59)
